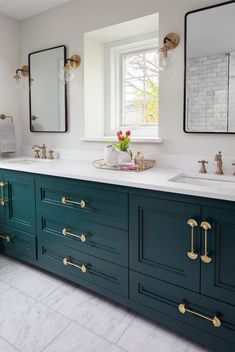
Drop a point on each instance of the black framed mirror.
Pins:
(209, 80)
(47, 91)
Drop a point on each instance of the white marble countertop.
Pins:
(158, 179)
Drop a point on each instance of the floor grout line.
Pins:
(9, 343)
(56, 337)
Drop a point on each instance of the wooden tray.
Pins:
(130, 167)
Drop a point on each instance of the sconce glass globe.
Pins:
(66, 74)
(165, 60)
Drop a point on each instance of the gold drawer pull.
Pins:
(2, 200)
(215, 320)
(206, 226)
(6, 238)
(191, 254)
(67, 261)
(67, 201)
(82, 237)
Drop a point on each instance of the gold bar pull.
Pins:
(206, 226)
(67, 261)
(6, 238)
(82, 237)
(215, 320)
(2, 200)
(191, 254)
(67, 201)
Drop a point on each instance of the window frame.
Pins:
(113, 84)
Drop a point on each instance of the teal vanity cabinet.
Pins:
(167, 256)
(17, 228)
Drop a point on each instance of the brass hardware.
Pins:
(67, 261)
(82, 237)
(215, 320)
(36, 148)
(74, 61)
(219, 164)
(192, 223)
(6, 238)
(50, 154)
(24, 72)
(202, 169)
(233, 164)
(3, 117)
(67, 201)
(2, 200)
(206, 226)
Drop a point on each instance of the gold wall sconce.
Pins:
(170, 42)
(21, 72)
(67, 74)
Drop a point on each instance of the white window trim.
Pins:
(114, 52)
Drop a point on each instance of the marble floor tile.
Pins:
(6, 347)
(75, 338)
(4, 261)
(27, 324)
(99, 315)
(144, 335)
(3, 287)
(29, 280)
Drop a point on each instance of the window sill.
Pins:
(107, 139)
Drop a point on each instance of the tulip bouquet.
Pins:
(124, 141)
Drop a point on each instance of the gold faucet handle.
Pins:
(233, 164)
(202, 169)
(51, 155)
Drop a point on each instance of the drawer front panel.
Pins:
(81, 268)
(165, 298)
(101, 241)
(17, 243)
(160, 240)
(100, 205)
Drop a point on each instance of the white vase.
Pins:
(110, 156)
(123, 157)
(114, 157)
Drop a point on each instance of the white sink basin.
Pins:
(211, 181)
(25, 161)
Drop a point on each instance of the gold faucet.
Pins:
(44, 151)
(219, 164)
(233, 164)
(202, 169)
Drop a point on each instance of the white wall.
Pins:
(67, 25)
(9, 61)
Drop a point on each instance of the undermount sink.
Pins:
(212, 181)
(26, 161)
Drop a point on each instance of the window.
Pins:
(132, 86)
(140, 89)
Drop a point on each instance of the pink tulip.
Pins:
(128, 133)
(121, 138)
(119, 132)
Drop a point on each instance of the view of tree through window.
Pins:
(140, 88)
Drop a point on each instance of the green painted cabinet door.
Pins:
(1, 199)
(218, 272)
(20, 206)
(160, 239)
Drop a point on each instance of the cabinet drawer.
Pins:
(82, 268)
(17, 243)
(166, 298)
(98, 240)
(83, 200)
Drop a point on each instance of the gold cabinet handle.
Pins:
(191, 254)
(206, 226)
(67, 261)
(6, 238)
(82, 237)
(215, 320)
(67, 201)
(2, 200)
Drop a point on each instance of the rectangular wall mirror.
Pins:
(209, 99)
(47, 92)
